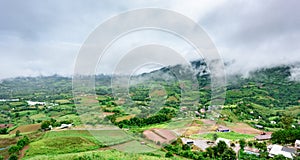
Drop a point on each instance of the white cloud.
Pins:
(45, 37)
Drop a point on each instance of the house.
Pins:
(263, 136)
(199, 143)
(202, 110)
(297, 144)
(249, 150)
(273, 122)
(160, 136)
(278, 149)
(62, 126)
(223, 129)
(31, 103)
(259, 126)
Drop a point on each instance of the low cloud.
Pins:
(42, 38)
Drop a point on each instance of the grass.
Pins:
(134, 147)
(227, 135)
(40, 116)
(111, 137)
(59, 145)
(107, 154)
(293, 111)
(100, 137)
(263, 110)
(178, 124)
(72, 133)
(230, 115)
(74, 141)
(76, 119)
(62, 101)
(59, 142)
(167, 125)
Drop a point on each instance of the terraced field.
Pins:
(27, 128)
(107, 154)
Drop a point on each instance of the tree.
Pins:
(23, 142)
(3, 131)
(287, 120)
(221, 147)
(186, 147)
(18, 133)
(285, 136)
(14, 149)
(13, 157)
(215, 136)
(250, 144)
(210, 152)
(169, 154)
(1, 157)
(242, 143)
(45, 124)
(229, 154)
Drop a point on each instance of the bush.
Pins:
(3, 131)
(45, 124)
(13, 157)
(18, 133)
(14, 149)
(169, 154)
(23, 142)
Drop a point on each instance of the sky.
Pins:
(45, 37)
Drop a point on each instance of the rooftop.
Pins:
(277, 150)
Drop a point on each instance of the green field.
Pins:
(60, 145)
(107, 154)
(227, 135)
(76, 119)
(167, 125)
(62, 101)
(134, 147)
(74, 141)
(71, 133)
(59, 142)
(111, 137)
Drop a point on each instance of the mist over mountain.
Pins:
(53, 87)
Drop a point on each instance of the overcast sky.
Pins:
(44, 37)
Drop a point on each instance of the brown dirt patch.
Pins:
(160, 135)
(23, 151)
(119, 119)
(244, 129)
(108, 113)
(6, 125)
(27, 128)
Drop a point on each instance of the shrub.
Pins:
(13, 157)
(14, 149)
(169, 154)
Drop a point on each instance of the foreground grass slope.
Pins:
(107, 154)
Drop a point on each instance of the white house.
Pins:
(31, 103)
(62, 126)
(278, 149)
(297, 144)
(201, 144)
